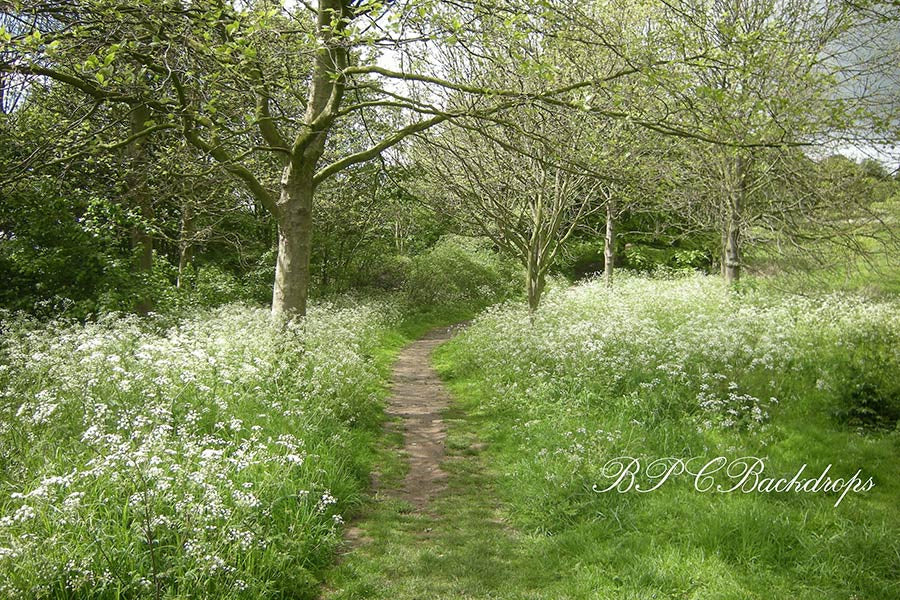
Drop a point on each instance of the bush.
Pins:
(388, 273)
(648, 258)
(581, 259)
(461, 271)
(866, 386)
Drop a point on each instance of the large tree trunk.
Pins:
(609, 243)
(294, 209)
(732, 231)
(291, 291)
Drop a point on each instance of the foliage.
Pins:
(46, 253)
(212, 458)
(864, 378)
(677, 368)
(368, 226)
(681, 338)
(68, 229)
(460, 271)
(647, 258)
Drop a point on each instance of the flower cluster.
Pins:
(655, 343)
(136, 458)
(668, 366)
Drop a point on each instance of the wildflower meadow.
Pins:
(686, 368)
(210, 458)
(449, 300)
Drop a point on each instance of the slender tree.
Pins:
(514, 186)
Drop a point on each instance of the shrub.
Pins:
(461, 271)
(640, 257)
(388, 273)
(581, 259)
(866, 384)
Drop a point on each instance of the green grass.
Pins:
(461, 548)
(870, 265)
(650, 369)
(678, 543)
(537, 412)
(195, 458)
(211, 457)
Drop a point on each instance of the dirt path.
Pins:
(439, 531)
(418, 397)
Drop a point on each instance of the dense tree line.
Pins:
(155, 153)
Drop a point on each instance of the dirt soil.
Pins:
(419, 397)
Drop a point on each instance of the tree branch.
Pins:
(374, 151)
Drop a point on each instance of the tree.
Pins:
(261, 87)
(184, 63)
(768, 79)
(514, 186)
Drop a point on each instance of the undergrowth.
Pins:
(685, 368)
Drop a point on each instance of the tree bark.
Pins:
(609, 243)
(185, 243)
(291, 290)
(294, 209)
(536, 281)
(732, 231)
(723, 246)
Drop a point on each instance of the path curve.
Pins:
(419, 397)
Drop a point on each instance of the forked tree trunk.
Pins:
(291, 290)
(536, 281)
(294, 209)
(609, 243)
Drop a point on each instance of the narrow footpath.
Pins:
(434, 528)
(416, 405)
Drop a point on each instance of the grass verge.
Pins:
(634, 372)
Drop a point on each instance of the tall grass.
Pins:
(685, 368)
(212, 458)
